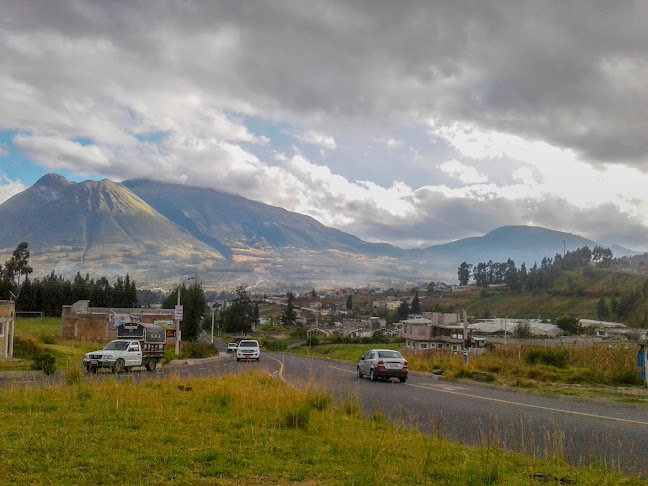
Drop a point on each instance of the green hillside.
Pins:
(586, 293)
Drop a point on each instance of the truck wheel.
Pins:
(151, 365)
(119, 366)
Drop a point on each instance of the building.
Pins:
(439, 331)
(81, 321)
(7, 328)
(507, 327)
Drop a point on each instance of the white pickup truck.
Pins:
(138, 345)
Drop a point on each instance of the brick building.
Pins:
(7, 328)
(81, 321)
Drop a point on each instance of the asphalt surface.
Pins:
(582, 431)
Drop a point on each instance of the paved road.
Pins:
(582, 430)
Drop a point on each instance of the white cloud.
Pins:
(318, 139)
(466, 174)
(9, 188)
(56, 152)
(167, 89)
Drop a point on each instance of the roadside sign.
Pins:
(178, 313)
(170, 333)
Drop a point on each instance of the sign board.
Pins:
(166, 324)
(117, 320)
(170, 333)
(178, 313)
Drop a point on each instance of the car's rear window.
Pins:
(389, 354)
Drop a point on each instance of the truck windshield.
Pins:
(117, 345)
(248, 344)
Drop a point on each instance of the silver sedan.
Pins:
(383, 363)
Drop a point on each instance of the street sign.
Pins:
(178, 313)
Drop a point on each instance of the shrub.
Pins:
(319, 401)
(46, 362)
(47, 339)
(25, 348)
(296, 417)
(73, 375)
(195, 350)
(552, 357)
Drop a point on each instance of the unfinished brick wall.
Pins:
(77, 321)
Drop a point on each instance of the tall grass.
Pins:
(243, 429)
(594, 365)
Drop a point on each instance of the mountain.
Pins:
(160, 233)
(95, 227)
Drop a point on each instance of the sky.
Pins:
(410, 123)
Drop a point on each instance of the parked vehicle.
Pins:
(383, 363)
(136, 345)
(231, 347)
(248, 349)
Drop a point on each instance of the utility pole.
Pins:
(179, 314)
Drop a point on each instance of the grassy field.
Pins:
(34, 336)
(240, 430)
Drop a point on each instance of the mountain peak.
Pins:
(52, 180)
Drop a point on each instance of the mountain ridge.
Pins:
(157, 232)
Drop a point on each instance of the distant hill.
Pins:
(160, 233)
(528, 244)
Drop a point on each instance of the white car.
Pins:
(231, 347)
(248, 349)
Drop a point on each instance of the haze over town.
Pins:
(412, 126)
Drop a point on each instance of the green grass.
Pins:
(348, 352)
(239, 430)
(44, 334)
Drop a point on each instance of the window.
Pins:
(423, 345)
(439, 345)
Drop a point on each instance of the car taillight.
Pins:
(405, 365)
(381, 363)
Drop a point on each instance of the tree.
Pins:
(18, 264)
(569, 324)
(239, 316)
(349, 302)
(403, 311)
(288, 315)
(463, 272)
(416, 304)
(194, 307)
(523, 331)
(602, 309)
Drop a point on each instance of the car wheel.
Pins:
(119, 366)
(359, 373)
(372, 375)
(151, 365)
(238, 359)
(403, 380)
(93, 369)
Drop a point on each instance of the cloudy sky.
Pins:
(412, 123)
